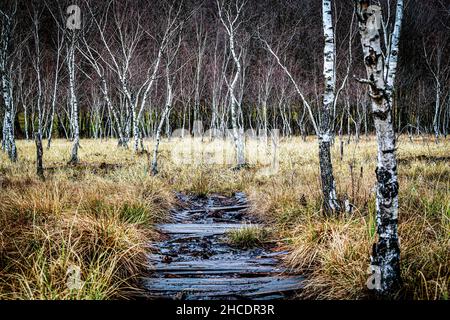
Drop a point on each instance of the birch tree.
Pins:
(6, 36)
(264, 90)
(74, 118)
(326, 124)
(119, 51)
(36, 59)
(58, 67)
(381, 73)
(231, 19)
(171, 53)
(324, 131)
(24, 92)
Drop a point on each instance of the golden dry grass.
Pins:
(334, 252)
(99, 215)
(95, 216)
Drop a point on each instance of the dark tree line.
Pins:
(122, 49)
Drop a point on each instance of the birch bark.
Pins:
(73, 99)
(231, 23)
(385, 259)
(9, 142)
(325, 131)
(37, 68)
(60, 46)
(168, 106)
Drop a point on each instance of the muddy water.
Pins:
(194, 262)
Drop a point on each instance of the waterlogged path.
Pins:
(194, 262)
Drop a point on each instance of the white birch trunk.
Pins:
(73, 100)
(168, 106)
(55, 90)
(37, 67)
(324, 131)
(229, 26)
(237, 134)
(105, 91)
(331, 202)
(151, 81)
(437, 106)
(9, 142)
(385, 259)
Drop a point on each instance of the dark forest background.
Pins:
(135, 28)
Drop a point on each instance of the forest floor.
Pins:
(86, 232)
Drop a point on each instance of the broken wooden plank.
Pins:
(228, 208)
(206, 283)
(201, 229)
(176, 284)
(202, 267)
(257, 271)
(196, 210)
(216, 287)
(274, 254)
(214, 264)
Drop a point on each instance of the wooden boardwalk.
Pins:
(195, 263)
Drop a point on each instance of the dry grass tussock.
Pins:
(95, 217)
(99, 215)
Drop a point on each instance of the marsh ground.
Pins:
(99, 215)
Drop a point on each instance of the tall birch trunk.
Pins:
(385, 259)
(138, 118)
(134, 119)
(168, 106)
(437, 106)
(52, 115)
(55, 91)
(323, 132)
(9, 142)
(331, 202)
(105, 91)
(37, 67)
(230, 25)
(73, 100)
(39, 154)
(237, 136)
